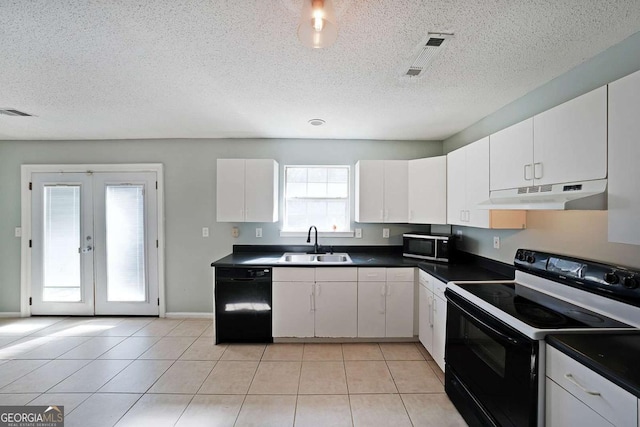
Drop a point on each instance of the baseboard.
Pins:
(188, 315)
(10, 314)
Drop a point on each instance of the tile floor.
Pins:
(166, 372)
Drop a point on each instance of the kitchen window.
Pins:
(316, 195)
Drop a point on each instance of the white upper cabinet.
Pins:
(428, 190)
(381, 191)
(567, 143)
(456, 186)
(570, 140)
(247, 190)
(624, 152)
(511, 156)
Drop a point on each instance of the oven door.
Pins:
(491, 368)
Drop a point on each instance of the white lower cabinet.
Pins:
(335, 304)
(432, 316)
(293, 309)
(576, 395)
(385, 302)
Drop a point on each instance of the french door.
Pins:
(94, 243)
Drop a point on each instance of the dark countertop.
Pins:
(615, 356)
(467, 267)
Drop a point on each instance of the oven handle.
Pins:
(484, 325)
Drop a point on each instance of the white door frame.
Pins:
(25, 259)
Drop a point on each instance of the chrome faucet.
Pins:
(315, 245)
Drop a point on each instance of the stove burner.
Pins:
(586, 317)
(539, 314)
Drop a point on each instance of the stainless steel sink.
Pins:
(298, 258)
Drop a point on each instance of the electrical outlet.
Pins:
(496, 242)
(258, 232)
(459, 235)
(235, 232)
(358, 233)
(385, 233)
(205, 231)
(18, 232)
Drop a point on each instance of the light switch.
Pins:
(258, 232)
(496, 242)
(235, 232)
(205, 231)
(358, 233)
(385, 233)
(18, 232)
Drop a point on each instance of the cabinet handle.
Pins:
(430, 305)
(386, 214)
(311, 303)
(527, 172)
(388, 290)
(537, 167)
(318, 289)
(382, 290)
(461, 216)
(381, 215)
(572, 379)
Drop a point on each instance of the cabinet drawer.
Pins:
(401, 274)
(610, 401)
(336, 274)
(294, 274)
(372, 274)
(425, 280)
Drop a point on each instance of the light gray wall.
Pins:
(582, 234)
(190, 182)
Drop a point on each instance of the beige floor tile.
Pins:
(267, 411)
(283, 352)
(243, 352)
(92, 348)
(378, 410)
(204, 349)
(190, 328)
(14, 369)
(137, 377)
(26, 326)
(79, 327)
(156, 410)
(183, 377)
(414, 377)
(54, 348)
(127, 327)
(362, 352)
(432, 410)
(70, 401)
(45, 377)
(209, 332)
(7, 340)
(276, 378)
(130, 348)
(101, 410)
(436, 370)
(22, 346)
(323, 378)
(322, 411)
(17, 398)
(229, 377)
(322, 352)
(211, 410)
(90, 378)
(424, 351)
(369, 377)
(400, 351)
(158, 328)
(168, 348)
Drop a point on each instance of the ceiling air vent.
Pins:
(14, 112)
(426, 52)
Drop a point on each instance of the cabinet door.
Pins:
(570, 140)
(511, 157)
(399, 321)
(425, 320)
(261, 190)
(624, 152)
(477, 182)
(439, 330)
(230, 190)
(371, 309)
(427, 190)
(563, 409)
(293, 306)
(396, 198)
(336, 309)
(456, 186)
(369, 191)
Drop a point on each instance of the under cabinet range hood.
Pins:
(585, 195)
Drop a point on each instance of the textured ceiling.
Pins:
(121, 69)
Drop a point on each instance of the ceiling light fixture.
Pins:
(316, 122)
(318, 26)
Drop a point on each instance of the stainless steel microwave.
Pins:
(428, 246)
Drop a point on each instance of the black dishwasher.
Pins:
(243, 305)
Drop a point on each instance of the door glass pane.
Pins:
(61, 281)
(125, 243)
